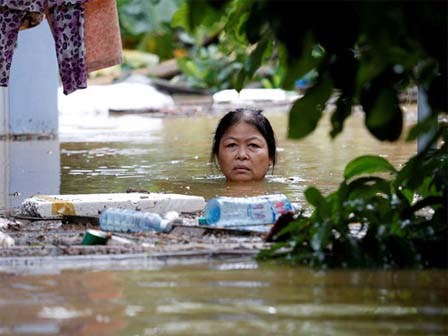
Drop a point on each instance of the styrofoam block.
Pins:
(262, 94)
(90, 205)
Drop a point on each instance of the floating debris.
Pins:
(6, 241)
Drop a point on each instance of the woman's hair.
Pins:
(252, 117)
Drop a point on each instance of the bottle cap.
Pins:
(295, 207)
(202, 221)
(96, 237)
(165, 225)
(171, 215)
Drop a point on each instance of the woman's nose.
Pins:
(242, 153)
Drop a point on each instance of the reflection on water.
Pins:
(238, 297)
(28, 168)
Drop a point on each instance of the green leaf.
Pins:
(255, 19)
(423, 127)
(189, 67)
(240, 79)
(383, 113)
(180, 17)
(256, 57)
(366, 187)
(194, 13)
(314, 197)
(235, 24)
(343, 110)
(367, 164)
(297, 68)
(197, 11)
(307, 111)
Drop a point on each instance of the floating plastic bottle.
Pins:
(245, 213)
(126, 220)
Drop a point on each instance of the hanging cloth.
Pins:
(66, 20)
(103, 39)
(86, 34)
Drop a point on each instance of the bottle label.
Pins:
(281, 208)
(250, 213)
(260, 212)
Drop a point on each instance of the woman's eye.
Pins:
(254, 145)
(231, 145)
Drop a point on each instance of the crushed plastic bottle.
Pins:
(6, 240)
(126, 220)
(246, 213)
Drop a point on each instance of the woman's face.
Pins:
(243, 154)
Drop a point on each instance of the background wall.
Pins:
(28, 106)
(33, 84)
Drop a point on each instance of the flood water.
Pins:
(97, 154)
(173, 155)
(233, 297)
(104, 154)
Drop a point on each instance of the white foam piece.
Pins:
(250, 95)
(262, 94)
(99, 99)
(225, 96)
(90, 205)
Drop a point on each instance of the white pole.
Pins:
(33, 84)
(423, 111)
(28, 107)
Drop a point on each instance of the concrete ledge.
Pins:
(90, 205)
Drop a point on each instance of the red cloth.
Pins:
(102, 35)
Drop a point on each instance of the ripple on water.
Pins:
(62, 313)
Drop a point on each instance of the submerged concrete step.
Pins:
(90, 205)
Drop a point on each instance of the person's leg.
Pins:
(10, 22)
(67, 25)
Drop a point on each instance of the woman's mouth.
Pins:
(241, 168)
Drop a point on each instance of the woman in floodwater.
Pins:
(244, 147)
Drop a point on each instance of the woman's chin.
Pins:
(243, 179)
(245, 188)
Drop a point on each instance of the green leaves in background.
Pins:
(145, 25)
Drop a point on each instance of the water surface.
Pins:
(99, 154)
(233, 297)
(173, 155)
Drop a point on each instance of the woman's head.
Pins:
(244, 145)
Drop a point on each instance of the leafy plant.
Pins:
(376, 221)
(219, 56)
(208, 68)
(144, 25)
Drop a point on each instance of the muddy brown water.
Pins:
(231, 297)
(198, 294)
